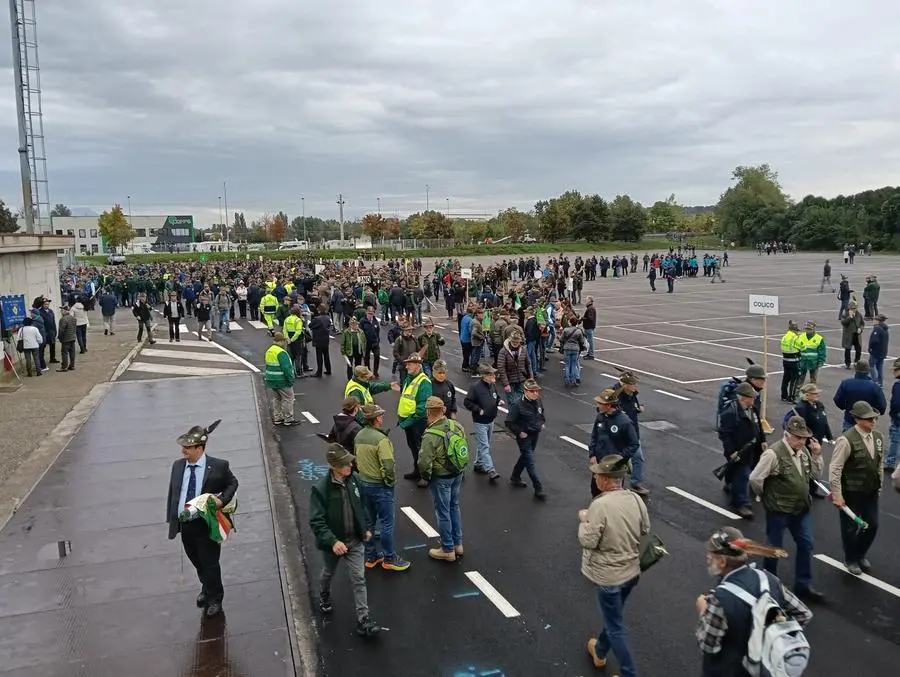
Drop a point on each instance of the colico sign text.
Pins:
(763, 305)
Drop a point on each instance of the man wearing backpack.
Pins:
(782, 477)
(727, 621)
(442, 460)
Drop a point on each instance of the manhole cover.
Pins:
(659, 425)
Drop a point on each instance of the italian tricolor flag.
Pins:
(204, 505)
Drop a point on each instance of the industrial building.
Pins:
(160, 233)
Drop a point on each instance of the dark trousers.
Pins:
(526, 460)
(322, 355)
(189, 307)
(856, 542)
(254, 311)
(80, 336)
(204, 555)
(373, 358)
(68, 355)
(800, 527)
(790, 379)
(295, 348)
(353, 361)
(414, 434)
(856, 347)
(466, 355)
(174, 328)
(51, 343)
(242, 306)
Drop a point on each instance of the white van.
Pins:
(294, 244)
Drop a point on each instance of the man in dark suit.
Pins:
(193, 475)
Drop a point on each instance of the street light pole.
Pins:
(220, 213)
(129, 211)
(379, 206)
(448, 207)
(341, 203)
(303, 208)
(225, 200)
(427, 189)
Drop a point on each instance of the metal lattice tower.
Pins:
(32, 154)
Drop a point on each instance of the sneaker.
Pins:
(517, 483)
(395, 564)
(493, 476)
(422, 484)
(292, 422)
(438, 553)
(540, 495)
(640, 490)
(367, 627)
(479, 470)
(599, 662)
(278, 422)
(459, 551)
(865, 565)
(745, 512)
(373, 562)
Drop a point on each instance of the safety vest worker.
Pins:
(356, 387)
(789, 351)
(812, 349)
(267, 307)
(407, 406)
(293, 327)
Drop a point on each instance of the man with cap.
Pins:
(782, 477)
(843, 294)
(194, 474)
(404, 346)
(363, 386)
(293, 332)
(353, 346)
(514, 367)
(813, 353)
(790, 362)
(279, 378)
(430, 343)
(338, 519)
(346, 423)
(813, 412)
(483, 401)
(890, 463)
(414, 392)
(726, 620)
(525, 421)
(377, 477)
(742, 437)
(859, 387)
(629, 403)
(609, 532)
(614, 432)
(855, 474)
(878, 349)
(852, 324)
(443, 388)
(443, 479)
(66, 336)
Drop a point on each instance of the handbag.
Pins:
(20, 346)
(653, 549)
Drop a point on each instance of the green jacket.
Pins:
(347, 342)
(280, 372)
(871, 291)
(326, 511)
(433, 460)
(281, 313)
(422, 394)
(434, 342)
(374, 456)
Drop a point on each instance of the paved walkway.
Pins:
(117, 602)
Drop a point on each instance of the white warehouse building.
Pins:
(161, 233)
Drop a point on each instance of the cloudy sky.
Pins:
(491, 103)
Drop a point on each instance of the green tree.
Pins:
(513, 223)
(60, 210)
(590, 220)
(8, 223)
(431, 224)
(754, 188)
(239, 230)
(114, 227)
(628, 219)
(665, 216)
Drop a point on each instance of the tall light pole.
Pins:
(427, 188)
(448, 207)
(222, 223)
(129, 211)
(379, 206)
(225, 199)
(303, 208)
(340, 204)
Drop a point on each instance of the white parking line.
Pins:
(887, 587)
(705, 504)
(256, 324)
(677, 397)
(578, 444)
(491, 593)
(309, 417)
(420, 522)
(383, 357)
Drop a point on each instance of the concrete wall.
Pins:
(32, 274)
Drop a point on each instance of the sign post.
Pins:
(765, 306)
(466, 274)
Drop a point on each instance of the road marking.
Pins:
(491, 593)
(463, 595)
(183, 328)
(677, 397)
(249, 365)
(256, 324)
(705, 504)
(460, 390)
(383, 357)
(420, 522)
(581, 445)
(211, 356)
(887, 587)
(455, 332)
(309, 417)
(610, 375)
(182, 370)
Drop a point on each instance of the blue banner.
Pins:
(14, 311)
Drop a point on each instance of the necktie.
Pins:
(192, 484)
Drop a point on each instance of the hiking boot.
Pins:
(517, 483)
(396, 563)
(367, 627)
(745, 512)
(458, 551)
(438, 553)
(599, 662)
(865, 565)
(325, 605)
(540, 495)
(494, 476)
(374, 561)
(479, 470)
(640, 490)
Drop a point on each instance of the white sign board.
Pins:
(365, 279)
(319, 268)
(465, 273)
(763, 305)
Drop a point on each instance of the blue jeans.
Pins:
(570, 375)
(445, 494)
(531, 346)
(589, 336)
(611, 600)
(526, 460)
(637, 466)
(380, 499)
(893, 444)
(843, 308)
(475, 357)
(740, 486)
(800, 527)
(551, 338)
(427, 367)
(223, 320)
(484, 432)
(876, 367)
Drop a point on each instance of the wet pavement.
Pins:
(89, 582)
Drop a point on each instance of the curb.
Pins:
(126, 362)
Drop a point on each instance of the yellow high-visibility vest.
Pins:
(367, 396)
(809, 345)
(789, 342)
(407, 406)
(293, 327)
